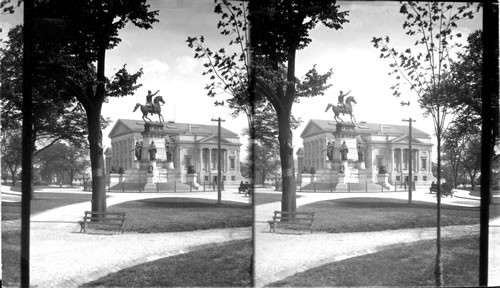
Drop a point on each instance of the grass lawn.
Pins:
(264, 198)
(221, 266)
(172, 214)
(11, 251)
(411, 265)
(376, 214)
(43, 201)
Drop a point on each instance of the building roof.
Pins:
(363, 128)
(170, 128)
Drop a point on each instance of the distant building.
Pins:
(385, 146)
(196, 148)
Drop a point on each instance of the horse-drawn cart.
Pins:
(446, 189)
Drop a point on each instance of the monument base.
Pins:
(341, 185)
(170, 165)
(150, 186)
(361, 165)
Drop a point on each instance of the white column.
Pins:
(392, 160)
(429, 162)
(237, 160)
(200, 160)
(418, 161)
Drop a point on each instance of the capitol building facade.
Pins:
(194, 150)
(383, 149)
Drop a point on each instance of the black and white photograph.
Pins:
(249, 143)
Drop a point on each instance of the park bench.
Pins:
(291, 219)
(102, 218)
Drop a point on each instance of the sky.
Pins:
(169, 66)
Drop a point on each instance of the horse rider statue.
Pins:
(149, 100)
(341, 99)
(152, 106)
(343, 107)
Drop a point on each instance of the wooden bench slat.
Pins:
(102, 218)
(291, 218)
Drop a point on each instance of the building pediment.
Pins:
(213, 139)
(313, 128)
(120, 128)
(404, 140)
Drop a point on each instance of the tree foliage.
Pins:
(263, 160)
(426, 69)
(62, 161)
(81, 32)
(55, 118)
(228, 67)
(10, 148)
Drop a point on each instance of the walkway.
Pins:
(62, 257)
(279, 255)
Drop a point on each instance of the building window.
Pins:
(424, 178)
(206, 178)
(233, 178)
(398, 178)
(232, 163)
(424, 163)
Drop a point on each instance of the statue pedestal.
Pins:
(345, 164)
(341, 186)
(328, 165)
(137, 164)
(150, 186)
(361, 165)
(383, 179)
(170, 165)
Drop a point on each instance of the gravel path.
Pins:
(279, 255)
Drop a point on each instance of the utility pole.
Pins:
(219, 162)
(410, 168)
(27, 161)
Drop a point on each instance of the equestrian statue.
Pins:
(152, 107)
(344, 108)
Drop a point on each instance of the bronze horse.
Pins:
(154, 109)
(347, 109)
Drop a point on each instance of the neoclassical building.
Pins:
(195, 146)
(383, 145)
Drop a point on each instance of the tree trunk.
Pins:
(438, 269)
(96, 161)
(93, 111)
(285, 138)
(472, 182)
(13, 171)
(71, 177)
